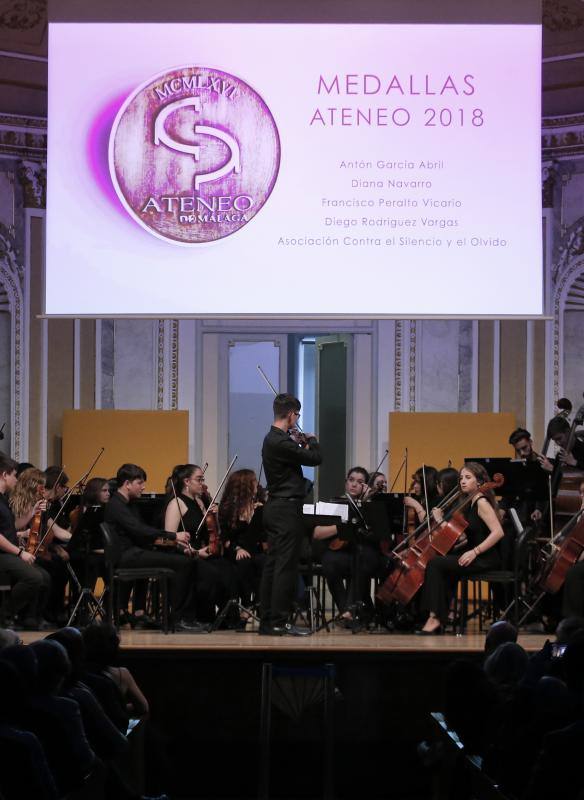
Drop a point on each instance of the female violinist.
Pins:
(377, 483)
(338, 560)
(29, 583)
(480, 552)
(215, 581)
(24, 501)
(86, 546)
(240, 520)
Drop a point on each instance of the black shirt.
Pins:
(124, 517)
(7, 522)
(283, 460)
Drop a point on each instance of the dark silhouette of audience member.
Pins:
(472, 719)
(105, 739)
(499, 633)
(25, 772)
(56, 721)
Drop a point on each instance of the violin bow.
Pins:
(206, 514)
(67, 495)
(426, 497)
(271, 386)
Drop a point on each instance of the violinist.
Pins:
(377, 484)
(283, 455)
(240, 520)
(423, 492)
(56, 481)
(136, 540)
(338, 564)
(573, 600)
(30, 584)
(86, 546)
(479, 551)
(216, 581)
(51, 555)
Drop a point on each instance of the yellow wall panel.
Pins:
(436, 438)
(155, 440)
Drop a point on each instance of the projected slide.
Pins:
(321, 170)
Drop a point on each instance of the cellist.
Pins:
(573, 601)
(480, 553)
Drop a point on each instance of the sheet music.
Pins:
(334, 510)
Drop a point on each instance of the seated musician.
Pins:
(86, 545)
(558, 431)
(30, 584)
(423, 491)
(216, 581)
(52, 557)
(56, 488)
(346, 588)
(137, 541)
(479, 553)
(573, 600)
(527, 506)
(240, 520)
(377, 483)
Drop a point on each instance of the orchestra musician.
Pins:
(558, 431)
(53, 556)
(423, 490)
(283, 457)
(185, 508)
(527, 506)
(338, 564)
(377, 483)
(479, 553)
(573, 600)
(30, 584)
(240, 520)
(136, 541)
(86, 545)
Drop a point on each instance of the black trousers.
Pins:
(249, 573)
(284, 528)
(441, 574)
(338, 567)
(573, 602)
(59, 577)
(30, 585)
(216, 585)
(181, 585)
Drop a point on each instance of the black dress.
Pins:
(441, 570)
(247, 536)
(216, 582)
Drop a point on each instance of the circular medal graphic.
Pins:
(194, 154)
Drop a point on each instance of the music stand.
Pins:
(87, 602)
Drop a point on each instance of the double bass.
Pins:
(415, 552)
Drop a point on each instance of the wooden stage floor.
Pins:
(333, 642)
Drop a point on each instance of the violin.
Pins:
(408, 576)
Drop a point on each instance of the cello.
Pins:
(415, 552)
(563, 556)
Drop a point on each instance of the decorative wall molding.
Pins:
(12, 278)
(33, 179)
(562, 136)
(398, 365)
(167, 365)
(561, 15)
(23, 137)
(412, 364)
